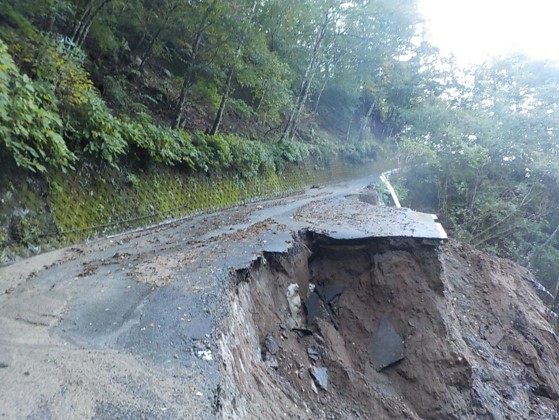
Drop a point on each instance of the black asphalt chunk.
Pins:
(303, 332)
(312, 306)
(313, 354)
(329, 293)
(387, 347)
(320, 376)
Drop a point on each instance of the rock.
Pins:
(369, 195)
(313, 354)
(313, 387)
(271, 362)
(320, 376)
(494, 334)
(205, 355)
(387, 347)
(271, 345)
(294, 301)
(303, 332)
(329, 293)
(312, 306)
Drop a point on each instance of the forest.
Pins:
(253, 85)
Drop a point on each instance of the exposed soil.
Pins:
(476, 340)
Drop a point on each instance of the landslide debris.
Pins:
(391, 328)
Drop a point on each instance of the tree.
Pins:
(231, 70)
(495, 173)
(86, 17)
(196, 44)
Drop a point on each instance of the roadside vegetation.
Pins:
(249, 87)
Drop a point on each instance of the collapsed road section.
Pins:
(386, 328)
(321, 305)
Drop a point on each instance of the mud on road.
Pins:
(264, 311)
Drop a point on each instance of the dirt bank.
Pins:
(476, 341)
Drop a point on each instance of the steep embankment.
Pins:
(470, 330)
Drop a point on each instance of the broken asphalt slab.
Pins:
(387, 346)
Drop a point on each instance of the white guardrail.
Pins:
(384, 178)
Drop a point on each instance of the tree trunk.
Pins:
(541, 248)
(187, 79)
(348, 130)
(155, 36)
(217, 122)
(327, 78)
(482, 237)
(317, 102)
(550, 239)
(81, 21)
(84, 24)
(292, 121)
(365, 122)
(256, 109)
(139, 43)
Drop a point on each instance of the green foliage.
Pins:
(163, 145)
(246, 157)
(115, 90)
(492, 154)
(414, 152)
(289, 151)
(360, 152)
(249, 157)
(214, 151)
(97, 129)
(30, 126)
(545, 265)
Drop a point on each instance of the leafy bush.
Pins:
(249, 157)
(215, 151)
(164, 145)
(30, 126)
(60, 63)
(289, 151)
(360, 152)
(98, 129)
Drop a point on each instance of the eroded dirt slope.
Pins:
(476, 339)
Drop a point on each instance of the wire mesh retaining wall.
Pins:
(87, 205)
(40, 215)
